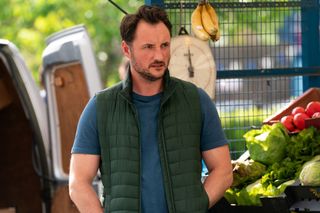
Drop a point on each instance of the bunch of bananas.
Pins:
(204, 22)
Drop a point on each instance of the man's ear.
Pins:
(125, 49)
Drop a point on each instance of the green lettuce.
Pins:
(246, 171)
(268, 144)
(310, 174)
(303, 146)
(280, 172)
(250, 195)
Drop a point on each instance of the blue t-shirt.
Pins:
(152, 188)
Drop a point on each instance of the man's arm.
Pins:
(83, 169)
(220, 172)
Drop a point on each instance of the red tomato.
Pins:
(312, 107)
(316, 115)
(297, 110)
(299, 120)
(287, 121)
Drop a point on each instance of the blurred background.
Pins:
(264, 59)
(267, 57)
(27, 24)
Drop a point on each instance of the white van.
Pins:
(37, 131)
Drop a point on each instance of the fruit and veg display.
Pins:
(204, 22)
(276, 160)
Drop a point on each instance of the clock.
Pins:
(192, 60)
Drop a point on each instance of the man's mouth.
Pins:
(157, 65)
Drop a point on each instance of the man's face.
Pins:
(149, 52)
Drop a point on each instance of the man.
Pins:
(148, 133)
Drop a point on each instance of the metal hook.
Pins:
(182, 30)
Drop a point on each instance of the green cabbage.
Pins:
(246, 171)
(268, 144)
(310, 173)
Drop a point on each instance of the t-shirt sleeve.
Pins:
(212, 134)
(87, 140)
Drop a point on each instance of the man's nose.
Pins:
(159, 54)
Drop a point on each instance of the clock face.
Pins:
(192, 60)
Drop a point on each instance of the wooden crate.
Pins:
(313, 94)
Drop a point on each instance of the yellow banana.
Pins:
(207, 21)
(196, 24)
(215, 21)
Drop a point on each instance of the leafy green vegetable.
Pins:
(310, 174)
(246, 171)
(250, 195)
(230, 195)
(304, 145)
(268, 144)
(281, 172)
(284, 157)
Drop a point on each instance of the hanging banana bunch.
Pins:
(204, 22)
(196, 23)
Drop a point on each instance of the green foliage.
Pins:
(252, 25)
(268, 144)
(27, 23)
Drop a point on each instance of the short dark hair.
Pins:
(150, 14)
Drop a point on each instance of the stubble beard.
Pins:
(145, 73)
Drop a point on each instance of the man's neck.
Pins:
(144, 87)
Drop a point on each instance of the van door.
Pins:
(25, 183)
(71, 78)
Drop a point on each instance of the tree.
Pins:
(27, 23)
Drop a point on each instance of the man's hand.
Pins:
(83, 169)
(220, 176)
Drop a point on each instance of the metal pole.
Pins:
(310, 43)
(159, 3)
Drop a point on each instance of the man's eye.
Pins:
(148, 46)
(165, 45)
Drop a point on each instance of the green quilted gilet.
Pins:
(179, 147)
